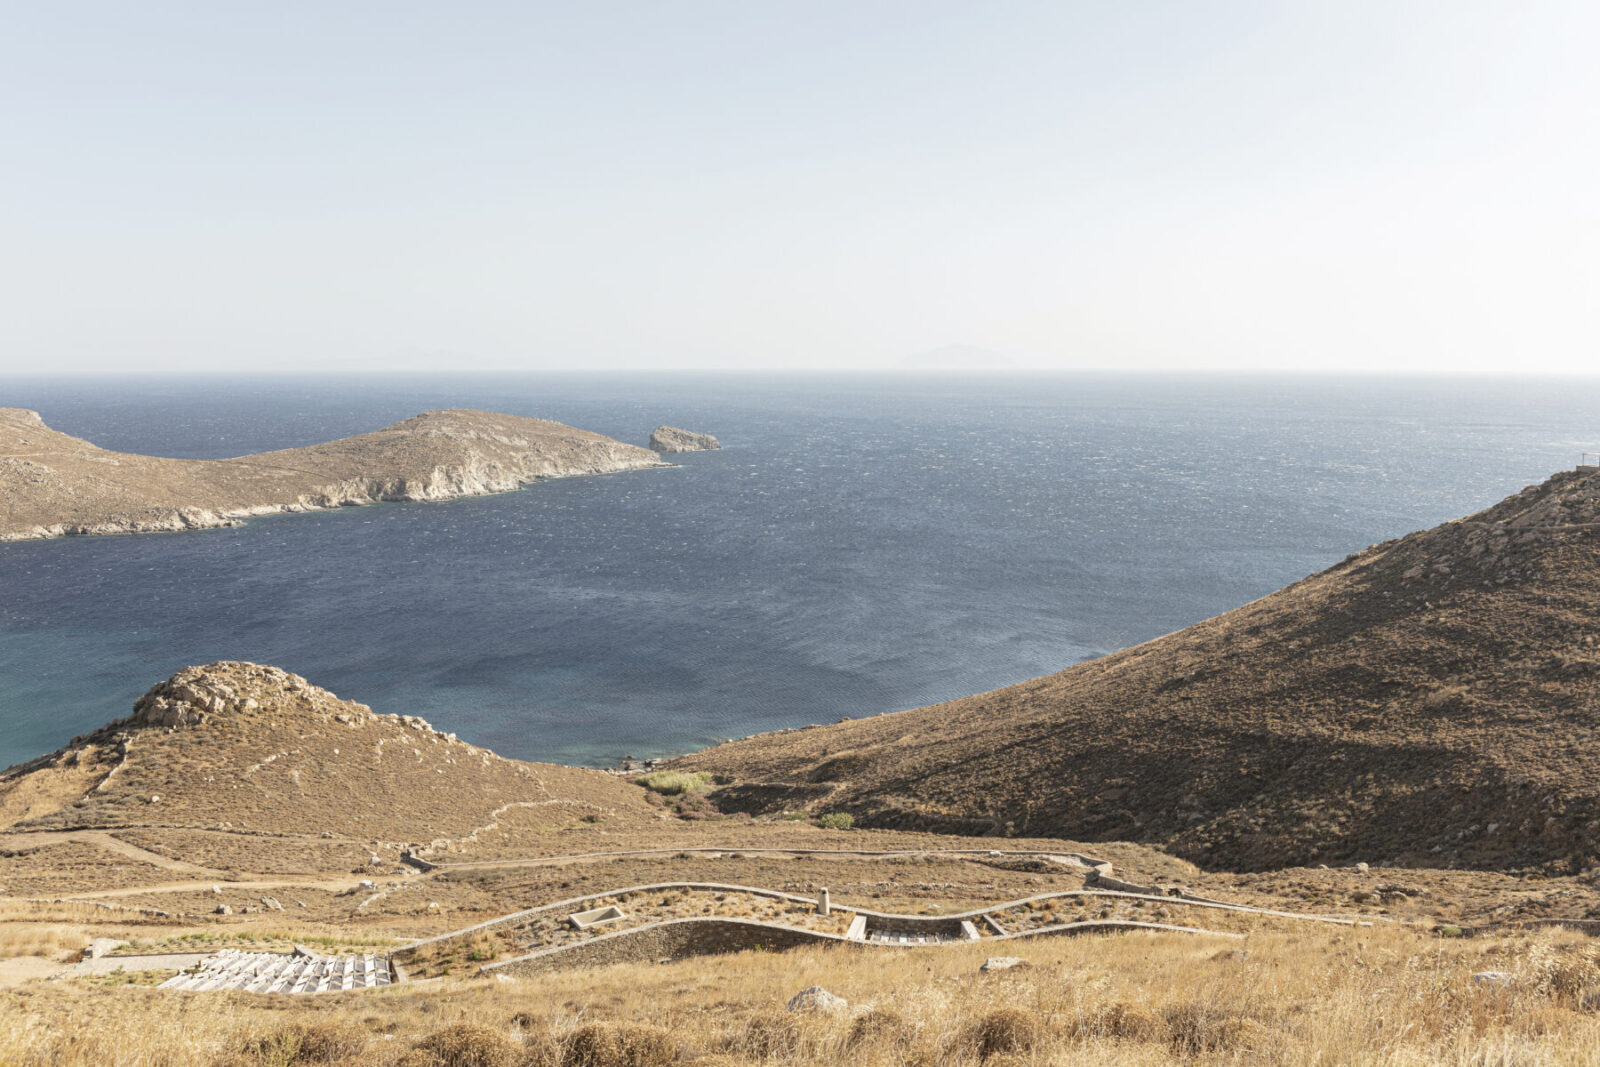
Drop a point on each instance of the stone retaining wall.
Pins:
(664, 940)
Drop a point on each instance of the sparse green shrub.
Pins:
(837, 820)
(675, 783)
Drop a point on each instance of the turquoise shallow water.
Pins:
(858, 546)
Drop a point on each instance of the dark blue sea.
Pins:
(858, 546)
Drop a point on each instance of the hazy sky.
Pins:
(767, 185)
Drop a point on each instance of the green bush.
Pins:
(837, 820)
(675, 783)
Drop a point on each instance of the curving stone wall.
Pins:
(706, 936)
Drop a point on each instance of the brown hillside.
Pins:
(256, 750)
(1431, 700)
(52, 485)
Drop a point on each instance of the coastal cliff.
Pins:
(55, 485)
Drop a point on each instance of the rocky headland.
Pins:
(672, 439)
(55, 485)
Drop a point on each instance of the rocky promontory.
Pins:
(54, 485)
(672, 439)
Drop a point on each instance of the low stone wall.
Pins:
(665, 940)
(1095, 926)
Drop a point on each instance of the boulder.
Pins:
(815, 998)
(672, 439)
(102, 946)
(1002, 963)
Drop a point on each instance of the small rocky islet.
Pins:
(673, 439)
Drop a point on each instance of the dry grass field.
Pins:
(1318, 996)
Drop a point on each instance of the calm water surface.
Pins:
(858, 546)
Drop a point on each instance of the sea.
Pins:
(859, 544)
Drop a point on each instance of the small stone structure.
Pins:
(582, 920)
(913, 930)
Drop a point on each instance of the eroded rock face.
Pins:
(672, 439)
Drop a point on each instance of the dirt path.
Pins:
(1064, 858)
(21, 969)
(102, 839)
(334, 885)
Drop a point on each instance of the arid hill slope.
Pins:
(52, 485)
(257, 750)
(1433, 700)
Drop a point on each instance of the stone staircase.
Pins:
(270, 972)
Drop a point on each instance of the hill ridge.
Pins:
(235, 745)
(1426, 700)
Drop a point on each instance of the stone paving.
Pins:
(268, 972)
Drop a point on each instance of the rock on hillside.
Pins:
(672, 439)
(1429, 700)
(52, 485)
(253, 748)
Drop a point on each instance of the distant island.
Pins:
(55, 485)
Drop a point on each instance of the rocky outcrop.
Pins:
(53, 485)
(672, 439)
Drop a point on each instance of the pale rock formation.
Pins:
(1002, 963)
(816, 999)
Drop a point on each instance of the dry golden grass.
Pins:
(1388, 996)
(52, 931)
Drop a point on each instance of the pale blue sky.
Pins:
(769, 186)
